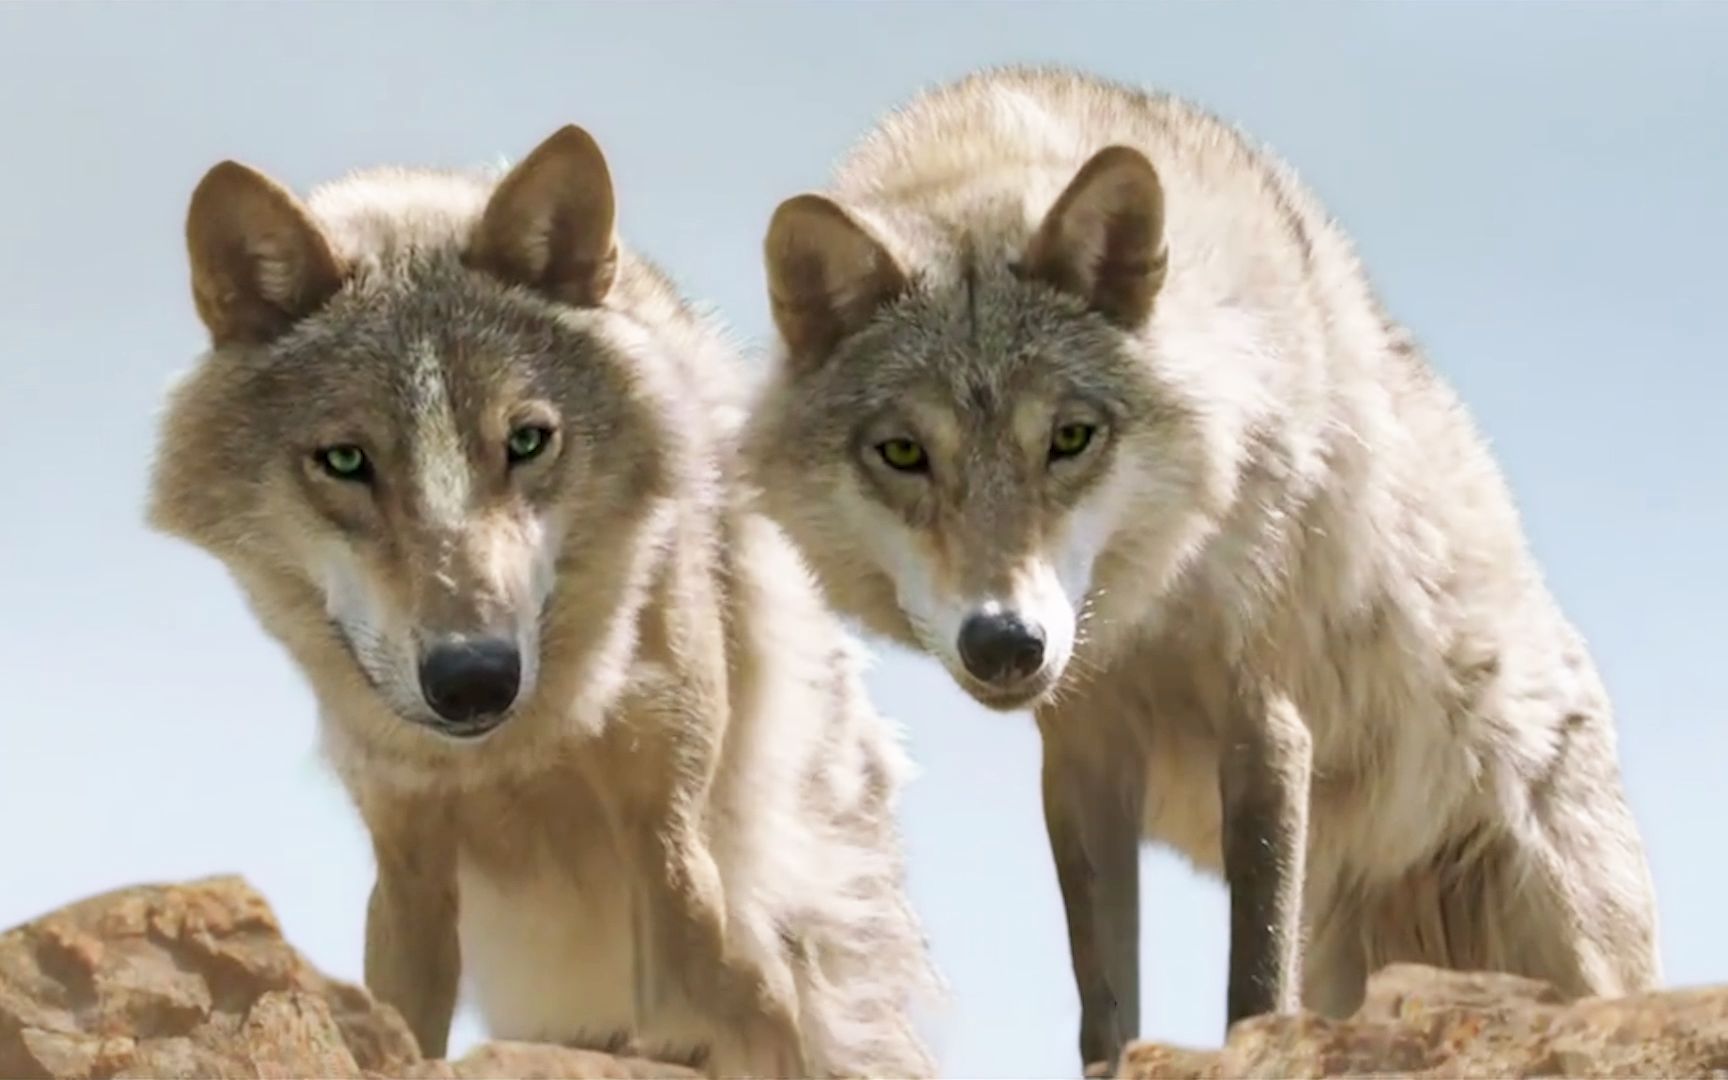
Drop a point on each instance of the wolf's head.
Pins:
(957, 435)
(435, 458)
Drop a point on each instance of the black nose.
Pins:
(998, 647)
(466, 680)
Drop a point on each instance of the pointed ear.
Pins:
(259, 261)
(549, 224)
(826, 275)
(1103, 240)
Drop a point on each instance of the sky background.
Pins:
(1538, 189)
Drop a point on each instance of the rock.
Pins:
(538, 1061)
(196, 980)
(1420, 1021)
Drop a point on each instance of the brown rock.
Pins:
(1419, 1021)
(196, 980)
(538, 1061)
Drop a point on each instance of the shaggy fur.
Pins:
(680, 839)
(1290, 625)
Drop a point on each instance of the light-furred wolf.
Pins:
(472, 464)
(1084, 394)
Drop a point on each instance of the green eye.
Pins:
(344, 462)
(527, 441)
(1071, 439)
(903, 455)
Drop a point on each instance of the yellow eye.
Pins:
(344, 462)
(527, 441)
(903, 455)
(1071, 440)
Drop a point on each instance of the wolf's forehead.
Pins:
(430, 372)
(441, 465)
(980, 365)
(424, 378)
(415, 394)
(997, 385)
(992, 335)
(420, 339)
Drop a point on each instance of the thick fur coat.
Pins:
(447, 415)
(1081, 392)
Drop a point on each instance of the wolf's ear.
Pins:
(259, 261)
(1103, 240)
(826, 275)
(549, 223)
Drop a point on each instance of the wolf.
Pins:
(472, 463)
(1077, 389)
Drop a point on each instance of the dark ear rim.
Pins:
(213, 245)
(1139, 275)
(580, 273)
(841, 308)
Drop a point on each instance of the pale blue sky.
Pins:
(1537, 188)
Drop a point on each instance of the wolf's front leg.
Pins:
(688, 947)
(1092, 816)
(694, 953)
(413, 961)
(1265, 767)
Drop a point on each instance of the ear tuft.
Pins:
(827, 275)
(259, 261)
(1103, 240)
(549, 224)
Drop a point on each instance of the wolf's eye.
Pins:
(345, 462)
(527, 441)
(1070, 440)
(903, 455)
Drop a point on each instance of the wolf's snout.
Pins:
(1000, 648)
(465, 681)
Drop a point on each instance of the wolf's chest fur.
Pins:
(548, 932)
(548, 955)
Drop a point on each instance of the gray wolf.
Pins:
(1081, 392)
(470, 461)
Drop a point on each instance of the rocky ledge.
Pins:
(1419, 1021)
(196, 980)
